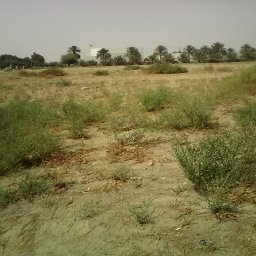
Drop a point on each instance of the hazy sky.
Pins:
(49, 27)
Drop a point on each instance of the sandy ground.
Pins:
(57, 223)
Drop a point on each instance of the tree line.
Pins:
(205, 54)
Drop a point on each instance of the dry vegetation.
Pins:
(109, 161)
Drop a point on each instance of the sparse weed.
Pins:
(7, 197)
(64, 82)
(131, 137)
(153, 100)
(32, 186)
(143, 213)
(90, 208)
(114, 101)
(122, 174)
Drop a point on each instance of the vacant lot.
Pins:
(128, 163)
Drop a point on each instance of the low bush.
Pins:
(7, 197)
(64, 82)
(24, 134)
(122, 174)
(52, 72)
(165, 68)
(132, 67)
(32, 186)
(189, 112)
(131, 137)
(219, 162)
(25, 73)
(100, 73)
(246, 116)
(143, 213)
(153, 100)
(80, 115)
(90, 208)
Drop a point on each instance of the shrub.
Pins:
(153, 100)
(246, 116)
(131, 137)
(25, 73)
(32, 186)
(100, 73)
(90, 208)
(219, 162)
(52, 72)
(122, 174)
(132, 67)
(81, 115)
(143, 214)
(189, 112)
(64, 82)
(6, 197)
(165, 68)
(24, 134)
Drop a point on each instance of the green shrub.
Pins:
(131, 118)
(165, 68)
(143, 214)
(24, 134)
(81, 115)
(64, 82)
(6, 197)
(122, 174)
(100, 73)
(90, 208)
(221, 161)
(52, 72)
(132, 67)
(131, 137)
(246, 116)
(153, 100)
(32, 186)
(189, 112)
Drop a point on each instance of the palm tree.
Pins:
(104, 56)
(217, 51)
(161, 51)
(231, 55)
(133, 55)
(189, 49)
(75, 51)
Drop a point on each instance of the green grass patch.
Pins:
(64, 82)
(25, 136)
(132, 67)
(7, 197)
(165, 68)
(246, 116)
(143, 213)
(153, 100)
(189, 112)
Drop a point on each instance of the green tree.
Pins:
(104, 56)
(153, 57)
(160, 51)
(133, 55)
(37, 60)
(75, 51)
(183, 57)
(69, 59)
(189, 49)
(231, 55)
(247, 52)
(200, 55)
(168, 57)
(217, 52)
(119, 60)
